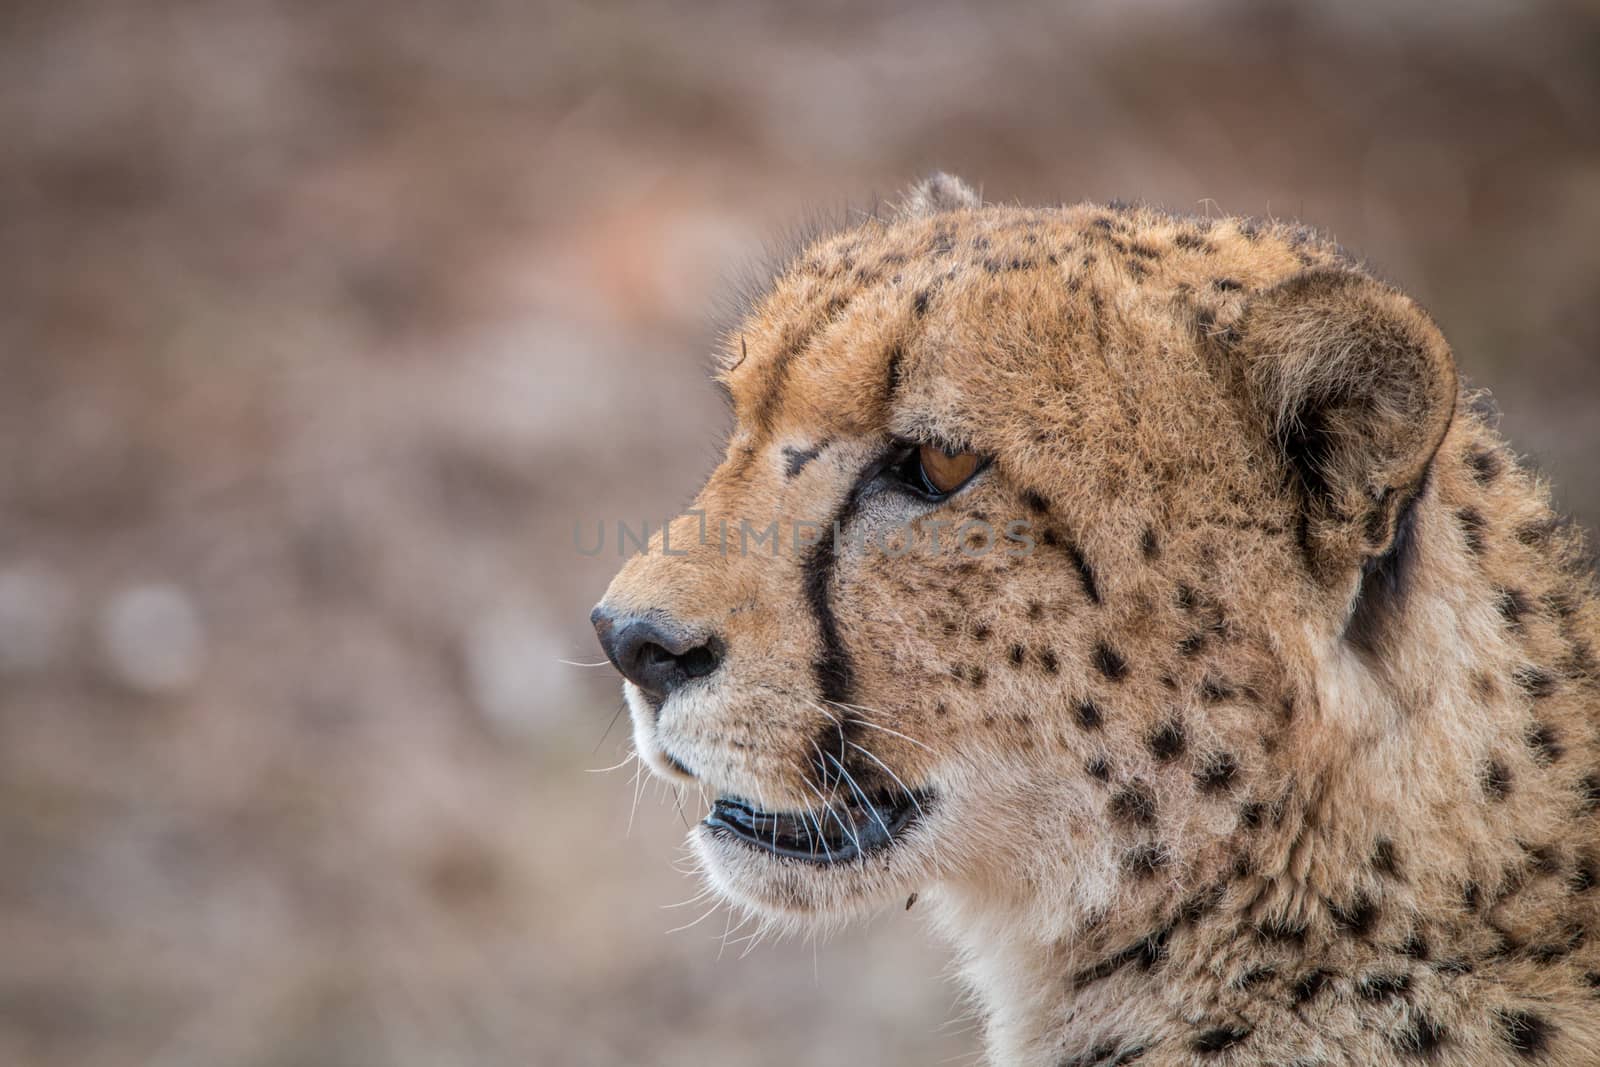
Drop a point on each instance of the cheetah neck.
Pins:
(1428, 880)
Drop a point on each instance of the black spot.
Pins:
(1135, 805)
(1420, 1037)
(1219, 1039)
(1453, 967)
(1192, 241)
(1538, 534)
(1472, 524)
(1226, 285)
(1383, 858)
(1513, 605)
(1589, 791)
(1572, 939)
(1218, 773)
(1091, 588)
(1168, 743)
(1496, 778)
(1545, 744)
(980, 632)
(1048, 662)
(1015, 655)
(919, 304)
(1196, 906)
(1250, 815)
(1146, 953)
(1543, 859)
(1485, 465)
(1357, 919)
(1469, 896)
(1283, 930)
(1215, 690)
(977, 676)
(1581, 662)
(1109, 662)
(1098, 1056)
(1149, 544)
(1145, 860)
(1415, 947)
(1527, 1034)
(1535, 681)
(1383, 986)
(1254, 977)
(1584, 876)
(1089, 716)
(1035, 501)
(1192, 645)
(1307, 986)
(1099, 769)
(1035, 610)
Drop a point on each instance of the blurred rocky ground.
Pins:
(324, 323)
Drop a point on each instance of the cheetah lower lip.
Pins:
(838, 834)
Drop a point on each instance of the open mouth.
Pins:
(838, 833)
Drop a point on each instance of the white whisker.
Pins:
(909, 794)
(629, 758)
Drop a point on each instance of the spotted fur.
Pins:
(1281, 745)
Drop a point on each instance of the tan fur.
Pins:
(1220, 800)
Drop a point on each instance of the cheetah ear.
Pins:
(936, 193)
(1358, 387)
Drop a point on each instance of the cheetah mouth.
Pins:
(839, 833)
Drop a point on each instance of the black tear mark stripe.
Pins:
(832, 669)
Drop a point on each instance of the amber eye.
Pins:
(945, 472)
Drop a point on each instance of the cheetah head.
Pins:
(1034, 534)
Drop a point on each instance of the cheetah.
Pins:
(1247, 710)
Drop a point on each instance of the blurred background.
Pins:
(324, 323)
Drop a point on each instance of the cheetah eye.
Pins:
(934, 472)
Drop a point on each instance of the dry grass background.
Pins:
(322, 325)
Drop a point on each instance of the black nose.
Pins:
(653, 653)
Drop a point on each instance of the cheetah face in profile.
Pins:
(1031, 533)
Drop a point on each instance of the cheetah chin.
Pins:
(1146, 597)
